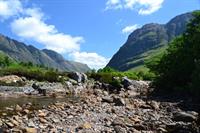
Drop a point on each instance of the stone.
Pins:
(55, 120)
(119, 101)
(155, 105)
(134, 84)
(18, 108)
(118, 122)
(10, 124)
(26, 111)
(16, 130)
(4, 114)
(183, 116)
(84, 77)
(41, 114)
(119, 129)
(136, 119)
(79, 77)
(107, 99)
(14, 122)
(31, 130)
(31, 124)
(9, 109)
(126, 82)
(86, 125)
(29, 91)
(42, 120)
(132, 93)
(39, 89)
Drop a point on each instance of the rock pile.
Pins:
(99, 110)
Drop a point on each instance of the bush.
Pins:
(31, 71)
(178, 70)
(107, 75)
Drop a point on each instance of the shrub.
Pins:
(179, 68)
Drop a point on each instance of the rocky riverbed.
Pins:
(100, 109)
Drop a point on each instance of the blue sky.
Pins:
(88, 31)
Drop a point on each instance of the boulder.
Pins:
(79, 77)
(39, 89)
(134, 85)
(84, 77)
(11, 79)
(126, 82)
(184, 116)
(30, 91)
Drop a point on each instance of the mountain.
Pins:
(148, 41)
(28, 53)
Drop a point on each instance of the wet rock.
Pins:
(183, 116)
(30, 91)
(39, 89)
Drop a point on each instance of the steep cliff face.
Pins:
(22, 52)
(144, 42)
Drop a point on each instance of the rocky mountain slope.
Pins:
(147, 41)
(27, 53)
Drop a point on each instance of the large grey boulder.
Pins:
(134, 84)
(79, 77)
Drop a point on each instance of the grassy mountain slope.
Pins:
(48, 58)
(145, 42)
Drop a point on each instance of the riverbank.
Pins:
(102, 110)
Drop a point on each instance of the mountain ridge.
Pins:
(20, 51)
(150, 37)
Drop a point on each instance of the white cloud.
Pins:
(129, 29)
(9, 8)
(30, 25)
(113, 4)
(34, 28)
(144, 7)
(93, 60)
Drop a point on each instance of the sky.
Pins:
(87, 31)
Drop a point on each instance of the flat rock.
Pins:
(183, 116)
